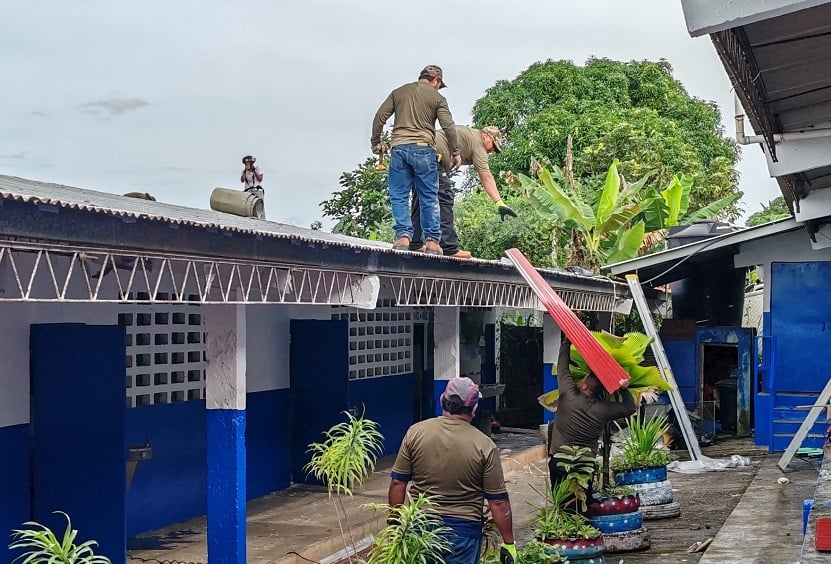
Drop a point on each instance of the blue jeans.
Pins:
(465, 538)
(411, 166)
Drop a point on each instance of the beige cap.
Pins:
(433, 71)
(496, 135)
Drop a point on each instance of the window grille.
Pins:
(380, 340)
(165, 352)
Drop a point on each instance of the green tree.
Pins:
(361, 207)
(775, 209)
(635, 112)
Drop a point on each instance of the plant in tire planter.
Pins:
(616, 512)
(642, 464)
(559, 521)
(534, 552)
(41, 545)
(343, 461)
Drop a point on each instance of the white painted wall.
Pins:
(268, 342)
(446, 342)
(14, 347)
(794, 246)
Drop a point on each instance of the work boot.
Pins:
(401, 244)
(433, 248)
(460, 254)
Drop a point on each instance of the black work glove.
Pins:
(504, 210)
(507, 553)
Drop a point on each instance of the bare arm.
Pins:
(381, 116)
(397, 492)
(502, 518)
(489, 184)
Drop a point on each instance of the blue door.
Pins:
(319, 361)
(78, 444)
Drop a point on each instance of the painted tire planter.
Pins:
(663, 511)
(615, 505)
(578, 550)
(618, 523)
(641, 476)
(593, 560)
(654, 493)
(627, 541)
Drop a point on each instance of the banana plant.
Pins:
(669, 207)
(604, 229)
(644, 381)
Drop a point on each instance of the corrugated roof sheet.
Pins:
(25, 190)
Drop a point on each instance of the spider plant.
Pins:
(344, 460)
(643, 448)
(579, 465)
(42, 546)
(418, 536)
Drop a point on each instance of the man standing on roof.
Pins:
(582, 413)
(474, 147)
(252, 176)
(455, 464)
(416, 106)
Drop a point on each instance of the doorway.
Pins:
(718, 385)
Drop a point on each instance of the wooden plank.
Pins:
(606, 368)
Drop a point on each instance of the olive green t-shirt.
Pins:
(454, 462)
(416, 106)
(471, 148)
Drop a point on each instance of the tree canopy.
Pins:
(773, 210)
(635, 112)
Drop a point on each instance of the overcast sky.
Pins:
(166, 97)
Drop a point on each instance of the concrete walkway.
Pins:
(299, 525)
(766, 525)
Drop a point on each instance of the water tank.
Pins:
(714, 295)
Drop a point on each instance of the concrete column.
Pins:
(225, 401)
(445, 349)
(550, 350)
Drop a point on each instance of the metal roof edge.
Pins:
(707, 245)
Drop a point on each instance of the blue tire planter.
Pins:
(641, 476)
(618, 523)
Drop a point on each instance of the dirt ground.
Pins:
(706, 502)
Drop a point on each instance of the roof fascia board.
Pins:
(799, 155)
(707, 16)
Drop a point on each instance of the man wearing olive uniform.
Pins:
(474, 147)
(417, 106)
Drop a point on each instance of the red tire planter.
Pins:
(615, 505)
(641, 476)
(578, 549)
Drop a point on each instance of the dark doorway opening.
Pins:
(719, 386)
(520, 369)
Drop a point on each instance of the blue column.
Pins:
(225, 389)
(226, 486)
(550, 351)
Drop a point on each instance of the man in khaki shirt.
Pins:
(474, 147)
(458, 466)
(417, 106)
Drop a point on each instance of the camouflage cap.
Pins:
(496, 135)
(433, 71)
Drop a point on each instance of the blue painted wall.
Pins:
(267, 440)
(682, 357)
(549, 382)
(14, 475)
(226, 485)
(389, 401)
(170, 487)
(800, 324)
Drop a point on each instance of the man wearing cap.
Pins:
(417, 106)
(474, 147)
(456, 465)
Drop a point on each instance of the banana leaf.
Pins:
(609, 196)
(712, 210)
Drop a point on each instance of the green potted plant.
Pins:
(41, 545)
(560, 522)
(642, 465)
(343, 461)
(416, 535)
(533, 552)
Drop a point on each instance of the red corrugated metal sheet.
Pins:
(602, 364)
